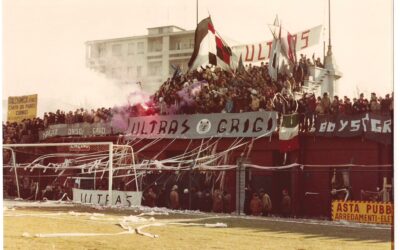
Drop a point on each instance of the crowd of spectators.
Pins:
(27, 131)
(212, 90)
(30, 190)
(205, 200)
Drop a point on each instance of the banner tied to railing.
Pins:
(22, 107)
(76, 129)
(250, 124)
(101, 197)
(363, 211)
(375, 127)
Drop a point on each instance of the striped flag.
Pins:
(288, 133)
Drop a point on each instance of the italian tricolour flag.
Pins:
(288, 133)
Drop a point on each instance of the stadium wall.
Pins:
(309, 187)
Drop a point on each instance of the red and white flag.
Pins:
(210, 48)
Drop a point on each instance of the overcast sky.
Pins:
(44, 52)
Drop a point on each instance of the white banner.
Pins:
(263, 50)
(101, 197)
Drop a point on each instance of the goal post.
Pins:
(74, 161)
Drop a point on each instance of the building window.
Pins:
(116, 49)
(101, 49)
(139, 71)
(191, 43)
(140, 47)
(129, 71)
(116, 73)
(89, 51)
(154, 69)
(131, 48)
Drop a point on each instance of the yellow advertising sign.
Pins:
(363, 211)
(22, 107)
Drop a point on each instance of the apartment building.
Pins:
(146, 59)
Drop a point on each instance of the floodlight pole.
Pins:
(197, 12)
(110, 172)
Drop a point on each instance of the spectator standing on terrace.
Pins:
(361, 105)
(229, 105)
(335, 105)
(347, 106)
(150, 198)
(266, 202)
(374, 105)
(174, 198)
(311, 104)
(26, 188)
(326, 103)
(385, 105)
(317, 62)
(286, 204)
(319, 109)
(301, 110)
(185, 199)
(255, 205)
(163, 106)
(255, 101)
(227, 202)
(298, 74)
(356, 108)
(218, 201)
(208, 201)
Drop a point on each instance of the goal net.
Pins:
(86, 172)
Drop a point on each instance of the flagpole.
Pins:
(197, 12)
(329, 12)
(329, 42)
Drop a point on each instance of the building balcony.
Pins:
(180, 51)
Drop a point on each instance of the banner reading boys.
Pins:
(22, 107)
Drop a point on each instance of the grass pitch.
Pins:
(176, 232)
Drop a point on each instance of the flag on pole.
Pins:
(240, 67)
(291, 48)
(209, 47)
(273, 64)
(177, 71)
(288, 133)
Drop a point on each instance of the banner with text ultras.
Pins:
(101, 197)
(363, 212)
(22, 107)
(262, 51)
(249, 124)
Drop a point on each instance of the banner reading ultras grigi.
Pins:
(249, 124)
(76, 129)
(373, 126)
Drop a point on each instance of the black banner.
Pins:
(375, 127)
